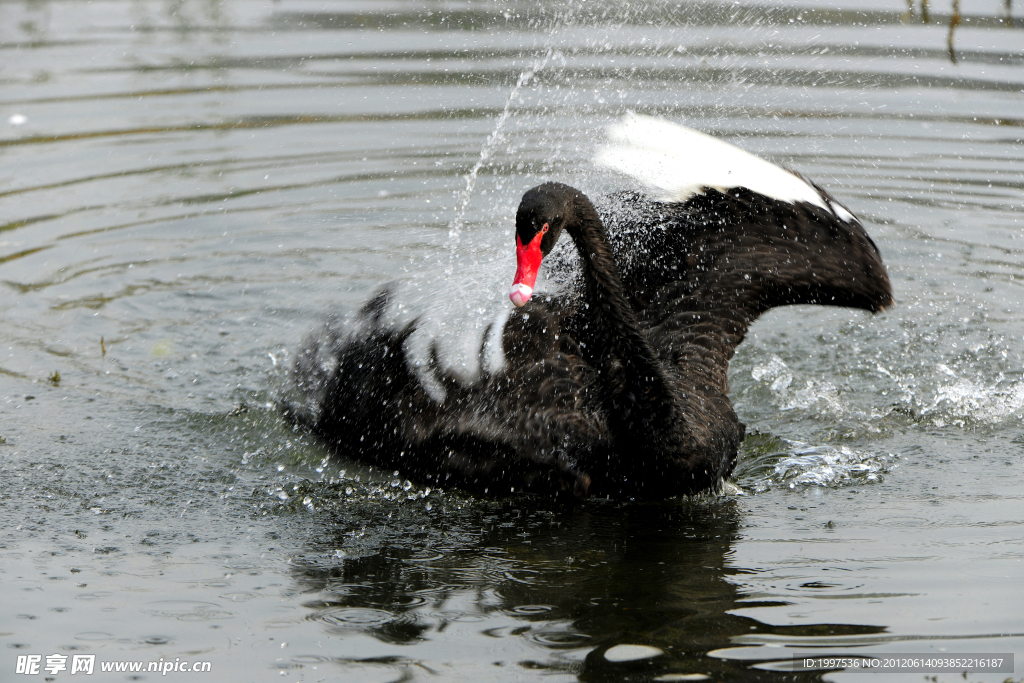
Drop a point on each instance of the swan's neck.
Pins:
(630, 369)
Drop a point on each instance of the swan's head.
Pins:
(541, 217)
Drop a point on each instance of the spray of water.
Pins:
(466, 194)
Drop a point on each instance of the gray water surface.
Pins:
(187, 189)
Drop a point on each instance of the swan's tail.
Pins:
(359, 363)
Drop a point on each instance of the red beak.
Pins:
(528, 259)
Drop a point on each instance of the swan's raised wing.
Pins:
(675, 163)
(729, 237)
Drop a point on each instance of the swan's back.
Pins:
(517, 429)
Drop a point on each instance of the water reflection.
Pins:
(558, 586)
(954, 19)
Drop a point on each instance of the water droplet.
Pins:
(631, 653)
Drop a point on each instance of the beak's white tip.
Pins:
(520, 294)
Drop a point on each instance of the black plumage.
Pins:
(616, 387)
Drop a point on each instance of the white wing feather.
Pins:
(677, 162)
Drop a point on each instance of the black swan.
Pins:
(616, 387)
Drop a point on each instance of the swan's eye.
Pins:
(545, 228)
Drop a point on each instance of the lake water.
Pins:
(188, 188)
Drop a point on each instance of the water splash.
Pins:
(466, 194)
(814, 394)
(944, 396)
(799, 464)
(315, 496)
(967, 402)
